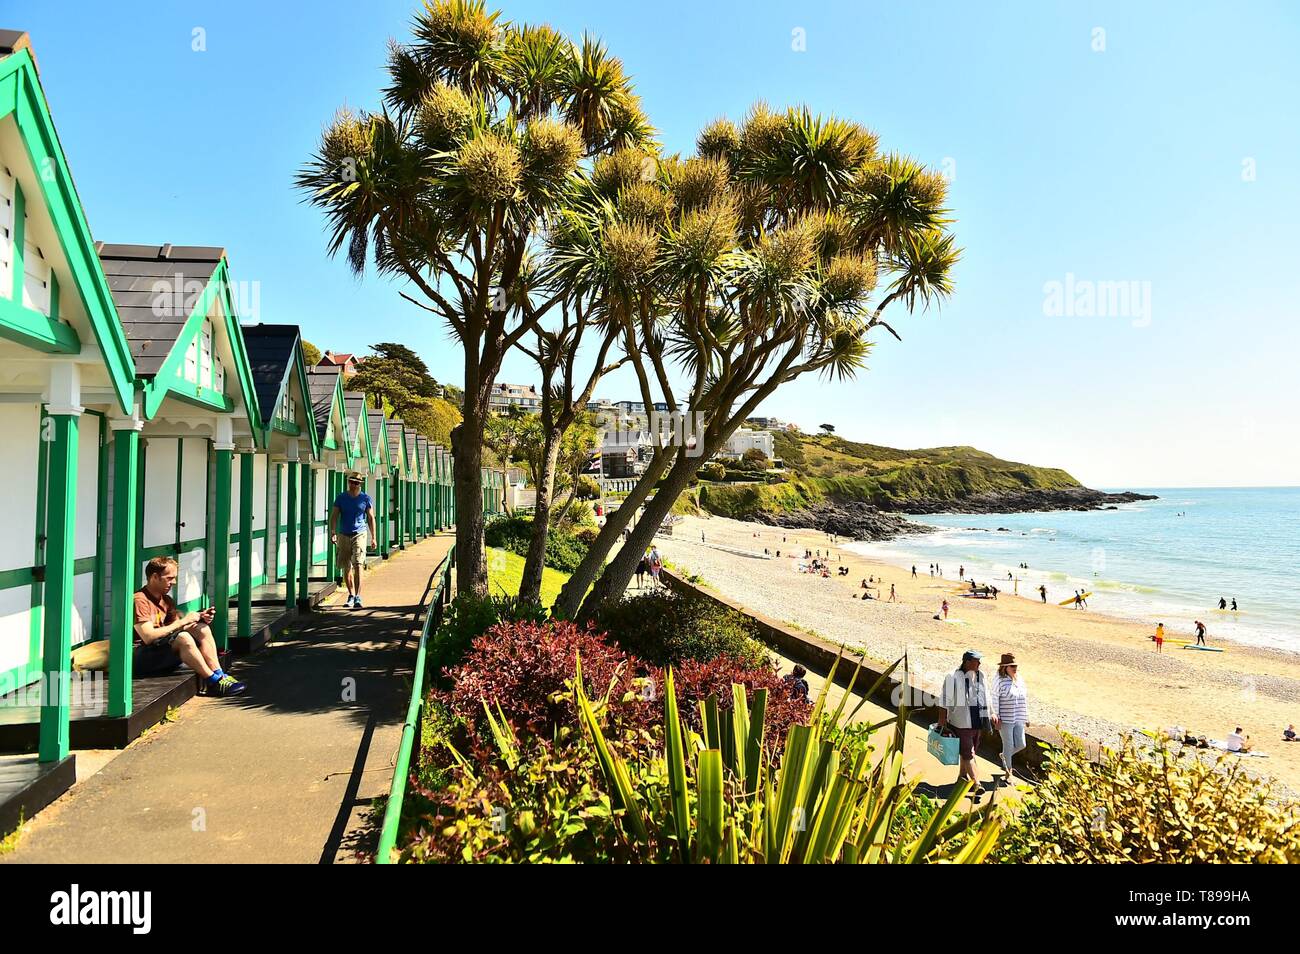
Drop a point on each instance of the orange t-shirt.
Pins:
(160, 611)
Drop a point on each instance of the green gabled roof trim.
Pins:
(338, 425)
(304, 405)
(364, 450)
(166, 382)
(384, 456)
(22, 95)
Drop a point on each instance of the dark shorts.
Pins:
(155, 659)
(968, 739)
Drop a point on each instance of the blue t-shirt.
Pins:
(352, 512)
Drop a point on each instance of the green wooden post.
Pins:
(399, 489)
(60, 540)
(221, 547)
(381, 517)
(331, 490)
(291, 537)
(244, 626)
(121, 634)
(437, 490)
(424, 504)
(307, 530)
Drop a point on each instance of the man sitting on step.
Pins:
(168, 639)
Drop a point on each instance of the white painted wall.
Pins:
(159, 491)
(20, 426)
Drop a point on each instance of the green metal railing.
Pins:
(414, 710)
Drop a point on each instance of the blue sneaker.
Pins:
(347, 603)
(228, 686)
(356, 602)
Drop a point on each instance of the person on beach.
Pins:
(893, 598)
(964, 709)
(914, 571)
(932, 570)
(654, 563)
(1078, 599)
(945, 609)
(1200, 633)
(961, 572)
(1042, 591)
(1009, 708)
(1289, 735)
(797, 684)
(1159, 637)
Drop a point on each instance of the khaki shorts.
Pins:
(352, 550)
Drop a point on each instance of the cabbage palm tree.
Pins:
(448, 185)
(773, 252)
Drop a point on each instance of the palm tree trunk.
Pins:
(566, 604)
(467, 442)
(530, 587)
(613, 582)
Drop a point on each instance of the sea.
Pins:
(1167, 560)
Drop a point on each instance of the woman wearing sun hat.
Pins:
(1010, 708)
(964, 711)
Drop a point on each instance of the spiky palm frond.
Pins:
(535, 62)
(460, 42)
(597, 96)
(366, 180)
(897, 197)
(923, 266)
(816, 161)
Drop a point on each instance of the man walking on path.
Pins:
(352, 516)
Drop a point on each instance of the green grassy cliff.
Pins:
(822, 468)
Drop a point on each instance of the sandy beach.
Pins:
(1087, 673)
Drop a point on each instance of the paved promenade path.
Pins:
(285, 773)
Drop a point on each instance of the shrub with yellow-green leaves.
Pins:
(1141, 805)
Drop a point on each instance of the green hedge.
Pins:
(564, 549)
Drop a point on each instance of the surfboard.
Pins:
(1071, 599)
(1205, 649)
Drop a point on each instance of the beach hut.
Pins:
(379, 483)
(366, 461)
(197, 404)
(289, 438)
(66, 383)
(394, 429)
(335, 456)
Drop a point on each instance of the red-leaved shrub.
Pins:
(523, 667)
(696, 681)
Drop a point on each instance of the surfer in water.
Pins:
(1223, 604)
(1234, 604)
(1200, 633)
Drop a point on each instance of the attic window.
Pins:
(36, 279)
(6, 234)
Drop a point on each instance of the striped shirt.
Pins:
(1010, 700)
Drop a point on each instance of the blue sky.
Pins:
(1170, 158)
